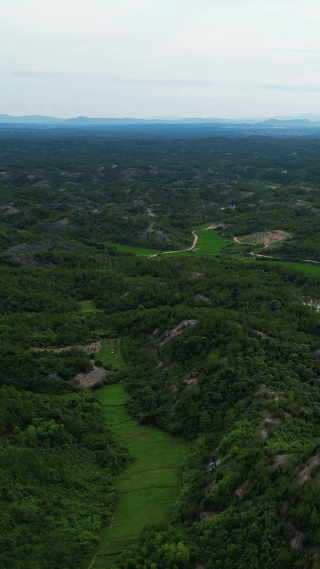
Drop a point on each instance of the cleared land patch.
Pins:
(110, 354)
(210, 242)
(148, 487)
(265, 238)
(206, 242)
(93, 348)
(92, 377)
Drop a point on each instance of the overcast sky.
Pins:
(160, 58)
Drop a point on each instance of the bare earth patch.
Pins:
(92, 377)
(265, 238)
(93, 348)
(225, 225)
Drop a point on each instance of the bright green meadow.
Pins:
(210, 243)
(148, 487)
(135, 250)
(306, 267)
(87, 306)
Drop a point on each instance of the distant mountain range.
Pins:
(33, 119)
(38, 119)
(302, 121)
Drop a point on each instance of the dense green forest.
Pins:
(220, 349)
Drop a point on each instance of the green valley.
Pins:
(159, 351)
(148, 487)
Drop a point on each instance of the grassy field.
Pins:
(210, 242)
(110, 354)
(306, 267)
(87, 306)
(148, 487)
(135, 250)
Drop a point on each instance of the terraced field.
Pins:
(87, 306)
(148, 487)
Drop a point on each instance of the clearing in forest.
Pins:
(210, 242)
(265, 238)
(110, 354)
(135, 250)
(305, 267)
(148, 487)
(206, 241)
(87, 306)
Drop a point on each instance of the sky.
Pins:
(160, 58)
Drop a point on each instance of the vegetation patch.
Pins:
(134, 250)
(88, 306)
(110, 354)
(148, 487)
(210, 242)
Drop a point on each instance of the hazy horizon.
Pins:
(228, 59)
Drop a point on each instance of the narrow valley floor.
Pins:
(148, 487)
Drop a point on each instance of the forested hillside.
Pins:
(218, 346)
(150, 193)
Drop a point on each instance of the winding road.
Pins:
(195, 241)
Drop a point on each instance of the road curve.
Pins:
(195, 241)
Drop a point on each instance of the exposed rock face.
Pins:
(91, 180)
(25, 253)
(9, 208)
(42, 184)
(297, 540)
(305, 474)
(213, 465)
(191, 382)
(202, 297)
(204, 516)
(177, 330)
(60, 226)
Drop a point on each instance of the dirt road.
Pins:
(195, 241)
